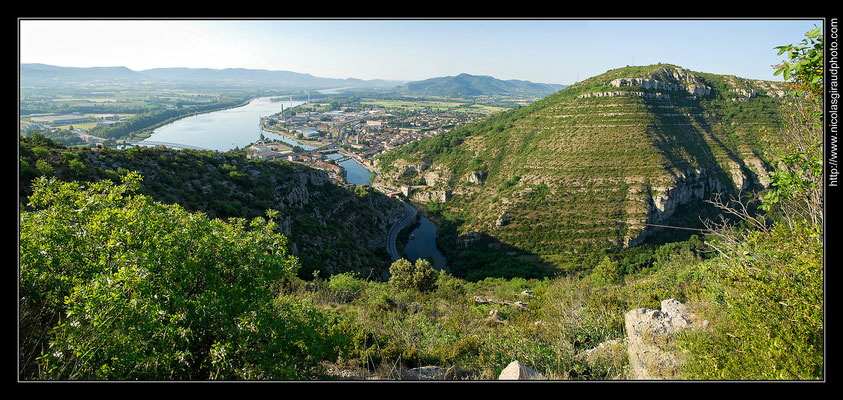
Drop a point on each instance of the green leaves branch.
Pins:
(805, 61)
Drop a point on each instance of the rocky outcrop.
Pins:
(664, 199)
(650, 335)
(698, 90)
(476, 177)
(518, 371)
(670, 80)
(502, 220)
(431, 178)
(693, 185)
(408, 169)
(436, 195)
(657, 96)
(748, 93)
(646, 84)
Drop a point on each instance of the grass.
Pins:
(572, 327)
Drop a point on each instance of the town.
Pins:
(359, 133)
(358, 130)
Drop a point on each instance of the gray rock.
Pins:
(649, 340)
(502, 220)
(518, 371)
(476, 177)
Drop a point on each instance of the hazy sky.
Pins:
(546, 51)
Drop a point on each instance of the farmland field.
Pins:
(415, 105)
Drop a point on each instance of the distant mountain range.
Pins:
(473, 85)
(50, 75)
(43, 75)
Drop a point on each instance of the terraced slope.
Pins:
(587, 167)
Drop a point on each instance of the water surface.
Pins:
(422, 244)
(225, 129)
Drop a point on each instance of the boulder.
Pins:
(518, 371)
(650, 348)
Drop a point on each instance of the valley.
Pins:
(650, 222)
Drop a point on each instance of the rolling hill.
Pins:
(590, 167)
(465, 85)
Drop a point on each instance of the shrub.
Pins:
(116, 286)
(606, 272)
(770, 319)
(345, 286)
(419, 276)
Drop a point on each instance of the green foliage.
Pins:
(805, 62)
(768, 290)
(116, 286)
(228, 185)
(798, 148)
(346, 286)
(419, 276)
(606, 272)
(770, 325)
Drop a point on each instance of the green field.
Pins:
(416, 105)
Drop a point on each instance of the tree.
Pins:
(419, 276)
(796, 192)
(797, 180)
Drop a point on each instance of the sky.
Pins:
(537, 50)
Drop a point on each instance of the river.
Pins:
(222, 130)
(422, 244)
(238, 127)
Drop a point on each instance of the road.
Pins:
(392, 235)
(337, 135)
